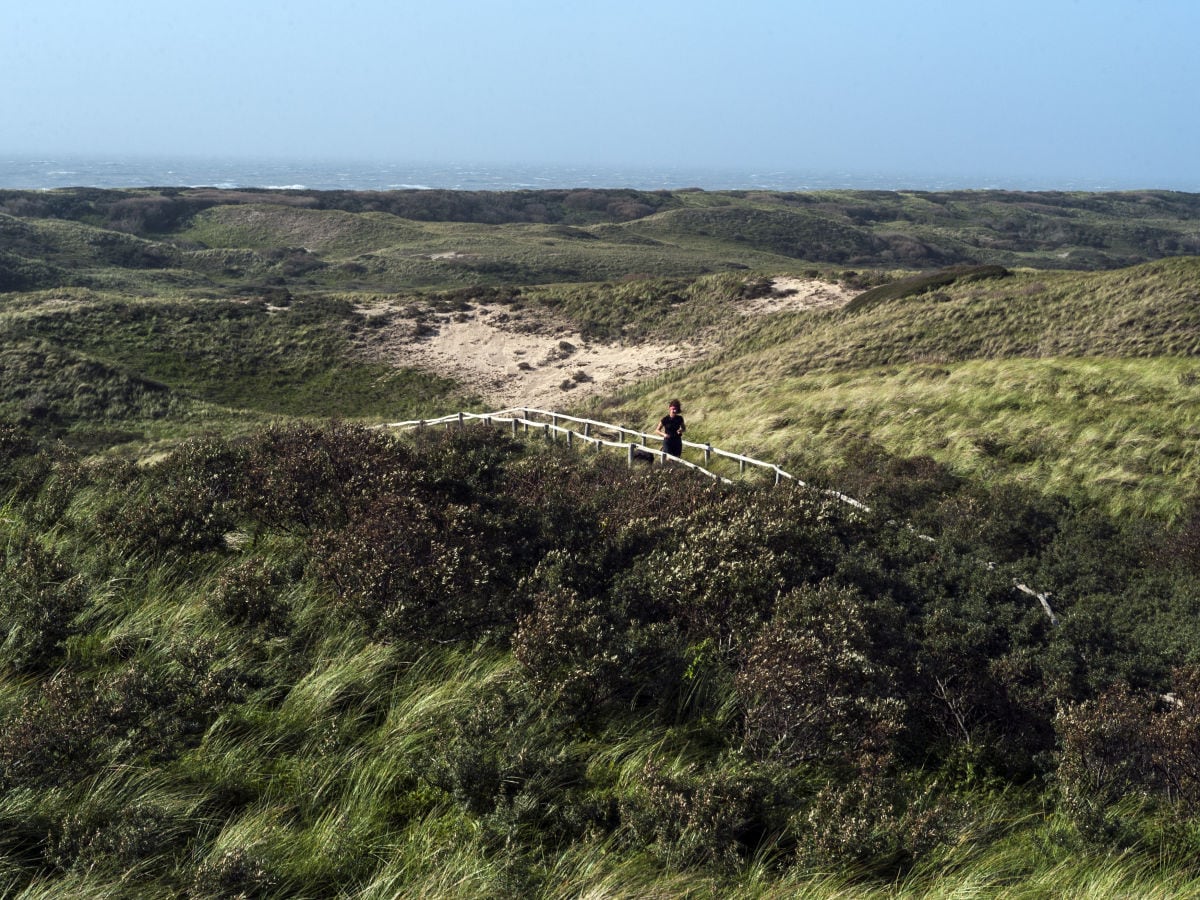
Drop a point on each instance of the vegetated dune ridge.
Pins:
(529, 358)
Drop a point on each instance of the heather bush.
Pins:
(407, 569)
(51, 736)
(713, 815)
(582, 653)
(183, 503)
(40, 599)
(508, 761)
(812, 686)
(112, 840)
(876, 821)
(1130, 744)
(233, 873)
(306, 478)
(160, 704)
(250, 595)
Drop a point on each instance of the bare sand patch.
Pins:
(790, 294)
(528, 358)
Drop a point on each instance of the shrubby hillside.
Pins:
(322, 660)
(250, 646)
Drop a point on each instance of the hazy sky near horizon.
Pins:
(1101, 90)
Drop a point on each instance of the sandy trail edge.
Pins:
(524, 358)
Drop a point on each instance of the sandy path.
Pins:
(524, 358)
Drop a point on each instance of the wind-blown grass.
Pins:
(1084, 385)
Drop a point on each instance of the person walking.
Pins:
(671, 427)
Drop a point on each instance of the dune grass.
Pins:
(1083, 385)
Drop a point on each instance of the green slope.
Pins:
(1082, 384)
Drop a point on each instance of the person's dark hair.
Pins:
(675, 403)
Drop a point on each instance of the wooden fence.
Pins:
(635, 444)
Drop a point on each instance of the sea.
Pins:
(50, 172)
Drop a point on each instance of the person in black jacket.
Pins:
(671, 427)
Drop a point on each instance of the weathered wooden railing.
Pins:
(599, 434)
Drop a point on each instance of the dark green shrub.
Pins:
(583, 653)
(1006, 522)
(183, 503)
(711, 816)
(40, 598)
(111, 840)
(233, 873)
(160, 704)
(52, 737)
(1129, 744)
(508, 760)
(979, 677)
(249, 595)
(301, 477)
(1104, 756)
(875, 822)
(408, 570)
(812, 687)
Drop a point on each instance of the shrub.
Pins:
(1130, 744)
(52, 737)
(160, 704)
(113, 840)
(716, 815)
(1104, 755)
(40, 598)
(233, 873)
(249, 595)
(812, 687)
(507, 760)
(182, 503)
(408, 570)
(583, 653)
(301, 477)
(873, 822)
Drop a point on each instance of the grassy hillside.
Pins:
(249, 647)
(318, 661)
(1071, 383)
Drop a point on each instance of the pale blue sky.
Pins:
(1103, 90)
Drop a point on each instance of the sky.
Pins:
(1105, 91)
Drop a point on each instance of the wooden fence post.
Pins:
(630, 446)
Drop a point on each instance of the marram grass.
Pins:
(1120, 432)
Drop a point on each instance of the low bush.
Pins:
(249, 595)
(40, 600)
(507, 760)
(714, 815)
(1130, 744)
(183, 503)
(305, 478)
(812, 685)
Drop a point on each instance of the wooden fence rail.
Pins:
(634, 444)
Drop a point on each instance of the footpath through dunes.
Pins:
(531, 356)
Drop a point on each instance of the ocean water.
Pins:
(48, 172)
